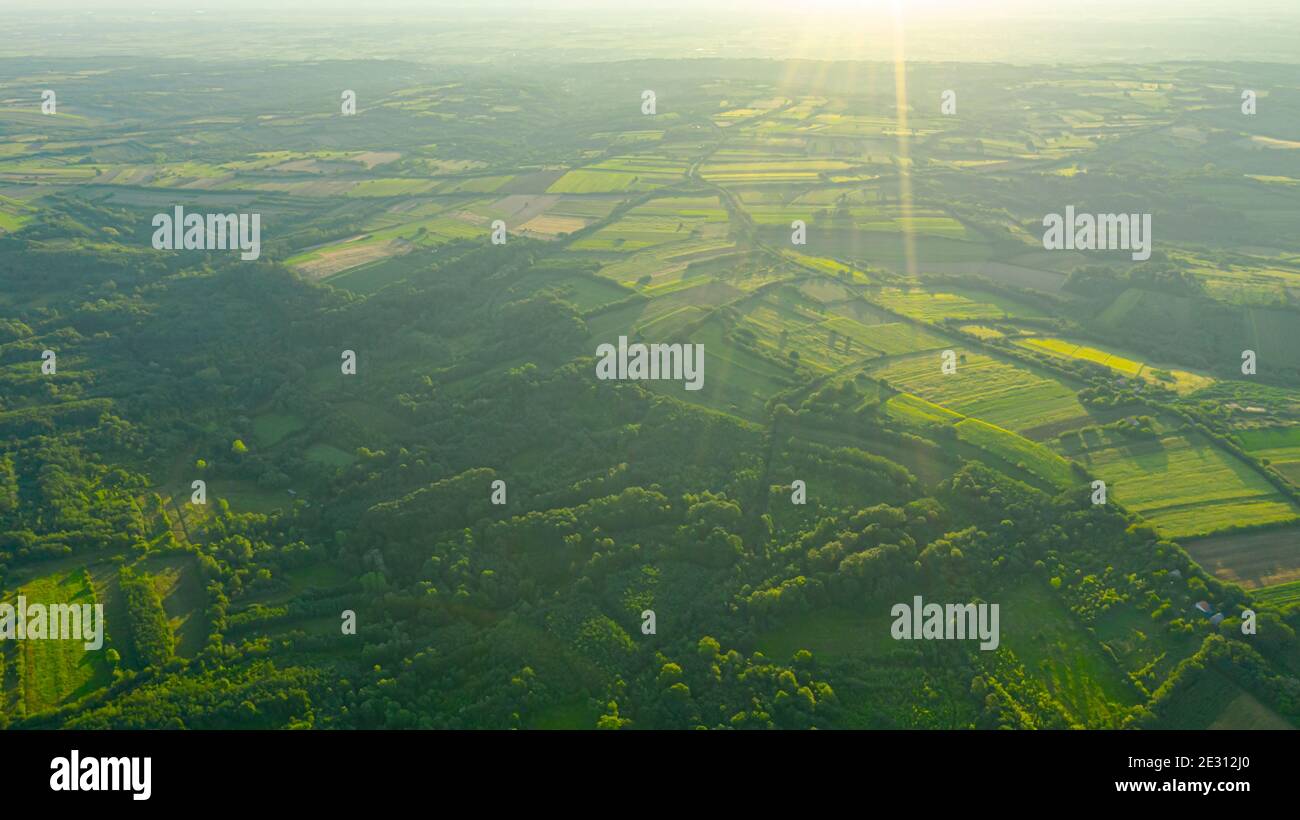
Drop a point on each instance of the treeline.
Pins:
(151, 632)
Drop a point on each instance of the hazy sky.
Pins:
(1020, 31)
(1086, 9)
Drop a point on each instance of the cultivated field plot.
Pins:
(826, 228)
(14, 214)
(788, 323)
(916, 410)
(887, 338)
(342, 256)
(667, 267)
(671, 219)
(1254, 560)
(1280, 446)
(826, 265)
(983, 332)
(858, 125)
(585, 292)
(1280, 595)
(40, 674)
(784, 326)
(475, 185)
(1060, 347)
(1182, 482)
(936, 306)
(1017, 451)
(393, 234)
(753, 108)
(670, 310)
(1253, 284)
(392, 187)
(1046, 281)
(1008, 450)
(1180, 381)
(772, 171)
(1003, 394)
(629, 173)
(737, 382)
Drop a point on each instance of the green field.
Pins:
(936, 306)
(55, 672)
(831, 634)
(735, 380)
(1017, 451)
(1279, 445)
(668, 220)
(1040, 633)
(1215, 702)
(583, 181)
(1007, 448)
(1280, 595)
(330, 455)
(827, 338)
(271, 428)
(906, 407)
(1181, 381)
(1003, 394)
(1181, 481)
(1059, 347)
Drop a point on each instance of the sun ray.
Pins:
(904, 137)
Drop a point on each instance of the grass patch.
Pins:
(329, 454)
(1018, 451)
(270, 429)
(1041, 633)
(936, 306)
(830, 634)
(56, 672)
(1280, 595)
(1003, 394)
(1182, 482)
